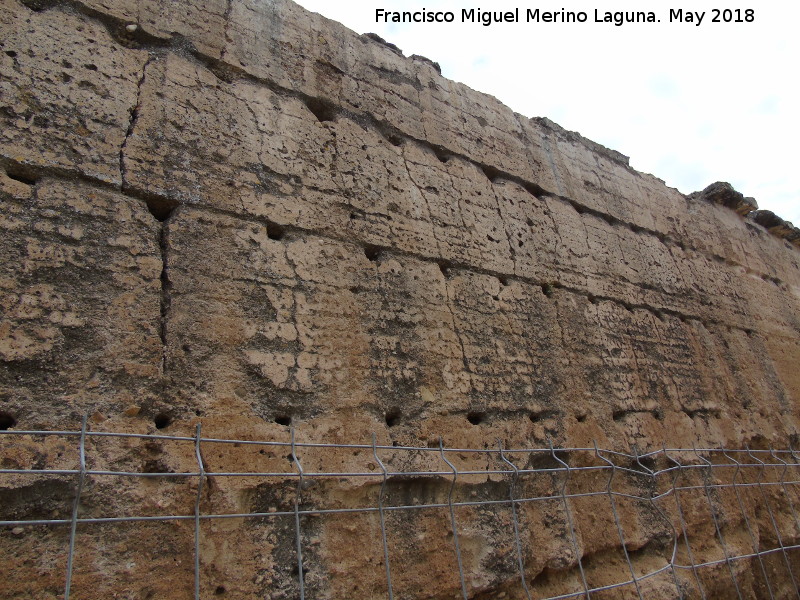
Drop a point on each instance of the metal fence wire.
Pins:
(684, 522)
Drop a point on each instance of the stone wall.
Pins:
(241, 214)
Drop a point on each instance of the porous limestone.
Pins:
(241, 214)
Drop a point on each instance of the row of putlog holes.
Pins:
(394, 417)
(373, 253)
(325, 111)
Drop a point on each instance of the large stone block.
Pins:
(81, 316)
(68, 91)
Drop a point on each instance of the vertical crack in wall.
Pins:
(427, 204)
(166, 297)
(546, 146)
(512, 252)
(672, 403)
(227, 32)
(134, 117)
(565, 348)
(161, 209)
(449, 301)
(559, 243)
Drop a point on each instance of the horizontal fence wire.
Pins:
(660, 481)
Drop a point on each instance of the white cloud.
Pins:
(690, 104)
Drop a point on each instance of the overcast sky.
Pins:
(690, 104)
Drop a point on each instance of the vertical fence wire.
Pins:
(749, 528)
(297, 532)
(666, 519)
(772, 529)
(785, 490)
(201, 471)
(453, 520)
(706, 485)
(573, 538)
(512, 499)
(759, 483)
(384, 472)
(76, 505)
(616, 518)
(678, 473)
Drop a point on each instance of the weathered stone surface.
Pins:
(776, 226)
(275, 159)
(203, 23)
(80, 289)
(67, 91)
(242, 215)
(722, 193)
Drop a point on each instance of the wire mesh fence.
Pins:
(672, 522)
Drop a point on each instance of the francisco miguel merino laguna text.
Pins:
(618, 18)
